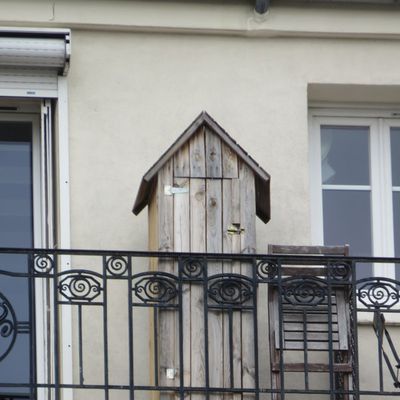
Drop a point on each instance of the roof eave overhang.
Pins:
(262, 178)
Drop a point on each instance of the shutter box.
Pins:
(31, 60)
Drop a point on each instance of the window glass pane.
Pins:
(396, 227)
(345, 155)
(395, 155)
(16, 230)
(347, 220)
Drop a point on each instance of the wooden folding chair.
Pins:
(299, 321)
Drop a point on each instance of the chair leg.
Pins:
(276, 376)
(276, 385)
(341, 378)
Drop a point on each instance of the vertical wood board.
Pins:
(214, 245)
(181, 162)
(231, 244)
(197, 155)
(166, 318)
(213, 155)
(197, 244)
(248, 245)
(153, 266)
(165, 210)
(229, 162)
(182, 244)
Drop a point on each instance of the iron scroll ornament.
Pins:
(117, 265)
(378, 293)
(80, 286)
(8, 327)
(267, 269)
(304, 291)
(43, 263)
(155, 287)
(340, 271)
(230, 289)
(193, 267)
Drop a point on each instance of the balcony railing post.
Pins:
(32, 325)
(56, 331)
(354, 331)
(255, 327)
(130, 332)
(180, 330)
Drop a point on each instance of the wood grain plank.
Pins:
(227, 269)
(153, 266)
(247, 209)
(165, 212)
(311, 318)
(231, 244)
(237, 316)
(197, 244)
(182, 244)
(309, 250)
(299, 326)
(311, 346)
(315, 367)
(197, 155)
(229, 162)
(153, 226)
(213, 155)
(343, 320)
(181, 162)
(167, 319)
(321, 337)
(248, 245)
(214, 245)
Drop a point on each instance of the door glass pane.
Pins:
(395, 155)
(345, 155)
(395, 162)
(347, 220)
(396, 227)
(16, 223)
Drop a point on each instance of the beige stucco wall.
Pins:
(131, 95)
(142, 71)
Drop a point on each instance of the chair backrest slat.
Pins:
(305, 326)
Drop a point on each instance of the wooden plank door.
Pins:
(216, 192)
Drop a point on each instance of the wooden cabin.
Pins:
(204, 177)
(203, 195)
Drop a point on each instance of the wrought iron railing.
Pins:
(107, 324)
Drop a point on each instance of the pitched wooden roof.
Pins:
(262, 178)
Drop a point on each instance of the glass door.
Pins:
(16, 231)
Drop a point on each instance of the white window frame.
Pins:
(32, 114)
(43, 215)
(48, 80)
(379, 122)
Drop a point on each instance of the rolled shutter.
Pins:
(31, 60)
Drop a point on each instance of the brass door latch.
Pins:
(235, 229)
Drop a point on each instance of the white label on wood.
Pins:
(171, 190)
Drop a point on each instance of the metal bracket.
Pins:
(235, 229)
(171, 190)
